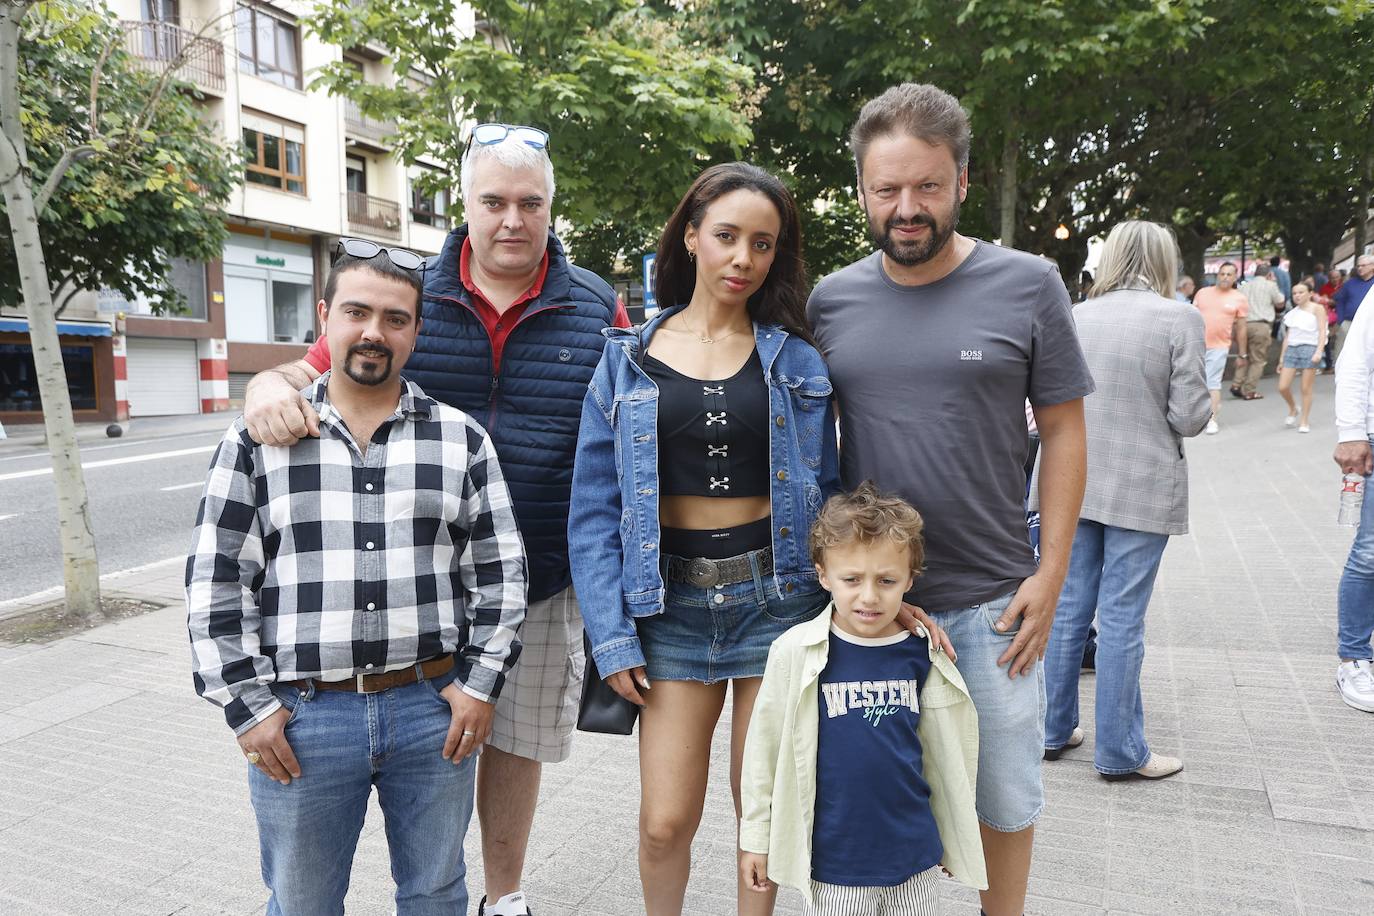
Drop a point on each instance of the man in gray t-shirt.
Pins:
(935, 343)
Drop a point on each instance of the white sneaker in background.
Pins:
(1304, 429)
(1290, 420)
(1355, 680)
(1212, 428)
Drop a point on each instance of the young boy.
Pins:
(859, 767)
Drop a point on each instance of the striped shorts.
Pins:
(919, 895)
(537, 709)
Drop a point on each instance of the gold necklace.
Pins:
(703, 338)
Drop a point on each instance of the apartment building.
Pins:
(316, 170)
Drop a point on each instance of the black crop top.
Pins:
(712, 435)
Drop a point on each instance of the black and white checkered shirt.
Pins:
(317, 561)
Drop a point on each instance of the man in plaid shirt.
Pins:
(353, 602)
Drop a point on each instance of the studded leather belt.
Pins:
(704, 573)
(386, 680)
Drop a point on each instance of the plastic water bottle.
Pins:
(1352, 499)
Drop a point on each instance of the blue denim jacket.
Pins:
(613, 527)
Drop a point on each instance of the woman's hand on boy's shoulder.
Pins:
(910, 616)
(753, 869)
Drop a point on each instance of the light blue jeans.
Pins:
(1011, 716)
(347, 743)
(1112, 572)
(1355, 599)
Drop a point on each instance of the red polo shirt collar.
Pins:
(498, 324)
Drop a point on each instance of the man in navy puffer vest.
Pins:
(511, 334)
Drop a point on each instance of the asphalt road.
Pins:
(143, 489)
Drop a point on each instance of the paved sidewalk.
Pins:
(123, 793)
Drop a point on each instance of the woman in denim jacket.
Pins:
(707, 447)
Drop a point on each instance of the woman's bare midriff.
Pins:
(703, 513)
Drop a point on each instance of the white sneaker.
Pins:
(1290, 420)
(1355, 680)
(1212, 428)
(1304, 429)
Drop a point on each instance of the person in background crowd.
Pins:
(1185, 289)
(1326, 295)
(1348, 298)
(1281, 278)
(1145, 352)
(1355, 434)
(936, 330)
(1303, 345)
(1263, 299)
(511, 336)
(1318, 276)
(347, 652)
(1223, 310)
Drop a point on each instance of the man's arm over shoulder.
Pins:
(493, 572)
(224, 565)
(274, 410)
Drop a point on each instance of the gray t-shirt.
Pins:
(932, 382)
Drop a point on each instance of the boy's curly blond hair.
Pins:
(864, 516)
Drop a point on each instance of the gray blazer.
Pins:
(1145, 354)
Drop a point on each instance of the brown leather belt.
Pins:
(375, 683)
(704, 573)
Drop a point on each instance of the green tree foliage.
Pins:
(634, 108)
(1085, 113)
(146, 177)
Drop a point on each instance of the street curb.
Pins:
(39, 601)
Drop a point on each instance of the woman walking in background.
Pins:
(1145, 350)
(1303, 346)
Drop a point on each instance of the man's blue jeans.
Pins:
(1355, 600)
(347, 743)
(1111, 571)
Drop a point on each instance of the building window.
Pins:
(19, 378)
(429, 209)
(269, 47)
(275, 152)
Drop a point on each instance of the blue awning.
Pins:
(65, 328)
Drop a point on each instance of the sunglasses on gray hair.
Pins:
(488, 134)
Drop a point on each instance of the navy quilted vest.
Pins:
(532, 409)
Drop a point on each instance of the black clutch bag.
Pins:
(602, 709)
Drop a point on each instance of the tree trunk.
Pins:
(1192, 248)
(80, 571)
(1010, 149)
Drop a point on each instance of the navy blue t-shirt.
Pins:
(874, 826)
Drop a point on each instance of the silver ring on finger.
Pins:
(468, 734)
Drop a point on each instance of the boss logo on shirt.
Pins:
(971, 355)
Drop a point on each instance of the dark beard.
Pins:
(919, 252)
(364, 378)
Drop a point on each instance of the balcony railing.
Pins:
(373, 214)
(158, 45)
(360, 125)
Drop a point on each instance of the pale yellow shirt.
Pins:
(778, 782)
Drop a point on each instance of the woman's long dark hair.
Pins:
(781, 299)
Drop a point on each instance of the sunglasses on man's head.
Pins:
(364, 250)
(487, 134)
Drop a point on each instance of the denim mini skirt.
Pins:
(721, 632)
(1299, 357)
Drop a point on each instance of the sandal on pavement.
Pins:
(1236, 392)
(1157, 767)
(1075, 739)
(1253, 396)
